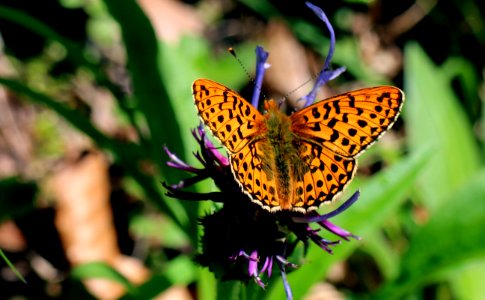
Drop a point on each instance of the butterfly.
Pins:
(296, 162)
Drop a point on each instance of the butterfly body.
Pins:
(300, 161)
(281, 160)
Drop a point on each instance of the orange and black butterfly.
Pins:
(300, 161)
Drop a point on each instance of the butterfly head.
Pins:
(270, 105)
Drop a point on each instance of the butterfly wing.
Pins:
(255, 175)
(349, 123)
(236, 123)
(230, 118)
(328, 174)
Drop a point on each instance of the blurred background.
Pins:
(91, 91)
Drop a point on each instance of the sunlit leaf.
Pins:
(433, 115)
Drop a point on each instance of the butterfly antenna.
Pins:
(300, 86)
(233, 53)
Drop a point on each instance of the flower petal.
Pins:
(261, 57)
(326, 74)
(319, 218)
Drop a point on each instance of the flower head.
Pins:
(242, 241)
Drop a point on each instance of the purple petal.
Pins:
(209, 149)
(176, 162)
(261, 57)
(320, 14)
(183, 195)
(319, 218)
(282, 260)
(265, 265)
(337, 230)
(324, 243)
(253, 264)
(286, 284)
(246, 256)
(326, 74)
(189, 181)
(259, 282)
(270, 267)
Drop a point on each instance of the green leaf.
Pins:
(381, 196)
(452, 236)
(433, 115)
(100, 270)
(206, 285)
(467, 281)
(181, 270)
(146, 60)
(150, 90)
(464, 72)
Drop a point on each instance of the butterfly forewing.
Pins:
(230, 118)
(347, 124)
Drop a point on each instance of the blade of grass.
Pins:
(149, 85)
(100, 270)
(12, 267)
(144, 56)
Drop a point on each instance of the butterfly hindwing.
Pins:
(255, 179)
(328, 174)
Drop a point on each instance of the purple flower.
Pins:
(242, 241)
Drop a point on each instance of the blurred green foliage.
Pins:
(438, 168)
